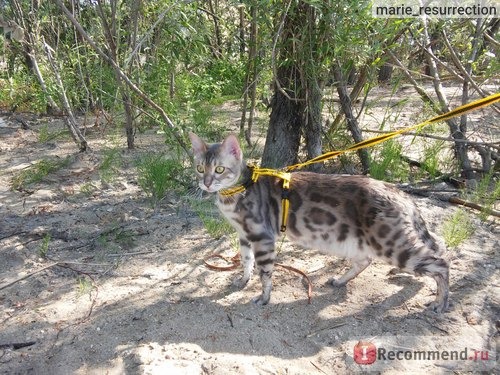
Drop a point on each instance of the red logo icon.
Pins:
(365, 353)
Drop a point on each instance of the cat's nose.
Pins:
(207, 182)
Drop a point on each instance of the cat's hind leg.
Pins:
(247, 260)
(438, 269)
(358, 265)
(263, 249)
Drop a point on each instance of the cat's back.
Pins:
(337, 189)
(349, 202)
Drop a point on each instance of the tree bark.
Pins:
(352, 123)
(296, 104)
(460, 147)
(283, 133)
(70, 118)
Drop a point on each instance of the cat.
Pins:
(355, 217)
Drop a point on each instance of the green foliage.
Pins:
(36, 172)
(111, 161)
(157, 175)
(83, 286)
(22, 92)
(88, 189)
(457, 228)
(45, 135)
(214, 224)
(487, 193)
(44, 246)
(388, 165)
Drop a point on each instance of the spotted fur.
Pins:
(355, 217)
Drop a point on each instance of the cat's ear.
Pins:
(199, 146)
(232, 147)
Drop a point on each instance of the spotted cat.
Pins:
(355, 217)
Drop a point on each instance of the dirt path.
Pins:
(130, 294)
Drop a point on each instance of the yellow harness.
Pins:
(256, 173)
(286, 176)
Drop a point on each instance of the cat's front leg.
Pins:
(263, 249)
(247, 260)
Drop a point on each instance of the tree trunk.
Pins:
(385, 73)
(29, 44)
(461, 148)
(283, 133)
(70, 118)
(110, 34)
(253, 67)
(352, 123)
(296, 104)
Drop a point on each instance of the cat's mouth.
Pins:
(210, 189)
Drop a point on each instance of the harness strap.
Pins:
(256, 173)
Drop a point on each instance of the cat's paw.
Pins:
(336, 283)
(240, 282)
(260, 300)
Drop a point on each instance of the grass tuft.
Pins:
(37, 172)
(457, 228)
(157, 175)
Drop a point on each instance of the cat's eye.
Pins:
(200, 168)
(219, 169)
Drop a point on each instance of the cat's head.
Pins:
(218, 166)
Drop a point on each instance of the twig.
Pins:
(491, 40)
(129, 254)
(59, 264)
(17, 345)
(460, 201)
(317, 368)
(325, 328)
(28, 275)
(12, 235)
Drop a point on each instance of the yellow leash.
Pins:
(285, 175)
(382, 138)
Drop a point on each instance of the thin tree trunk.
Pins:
(241, 11)
(460, 147)
(352, 123)
(253, 63)
(29, 50)
(356, 90)
(70, 118)
(110, 34)
(217, 32)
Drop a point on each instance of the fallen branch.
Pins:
(59, 264)
(461, 202)
(129, 254)
(451, 198)
(17, 345)
(28, 275)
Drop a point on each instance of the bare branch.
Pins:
(173, 129)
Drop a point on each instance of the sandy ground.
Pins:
(123, 288)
